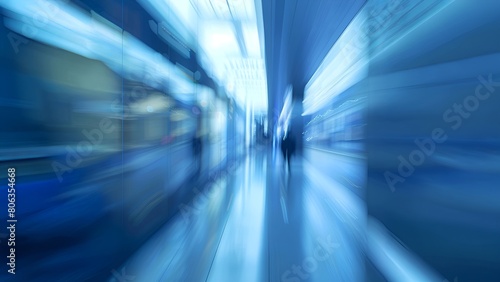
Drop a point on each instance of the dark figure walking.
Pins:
(197, 152)
(288, 148)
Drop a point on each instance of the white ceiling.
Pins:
(227, 34)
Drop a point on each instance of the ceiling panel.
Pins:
(298, 35)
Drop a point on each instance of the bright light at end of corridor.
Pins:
(229, 40)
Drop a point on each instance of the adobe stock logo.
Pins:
(46, 11)
(84, 148)
(322, 252)
(454, 116)
(406, 167)
(211, 189)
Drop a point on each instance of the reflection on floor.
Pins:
(259, 222)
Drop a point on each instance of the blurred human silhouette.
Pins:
(197, 144)
(288, 148)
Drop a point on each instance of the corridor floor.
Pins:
(259, 222)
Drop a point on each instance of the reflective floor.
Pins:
(260, 222)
